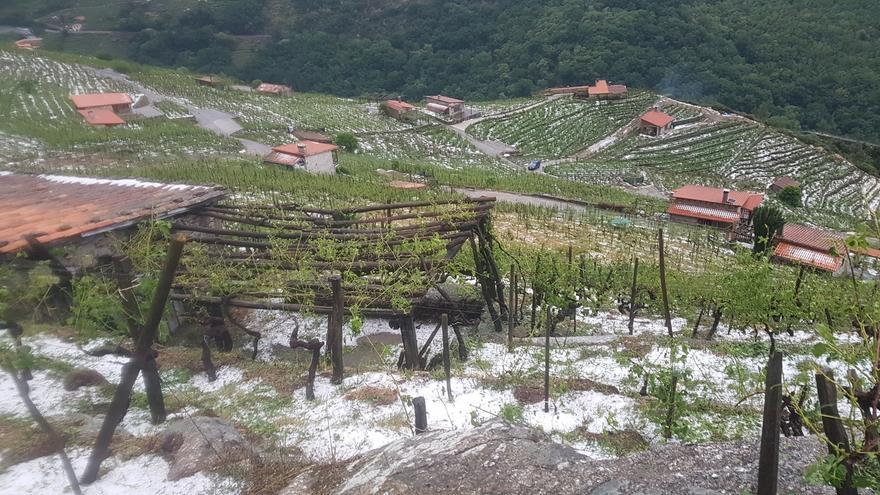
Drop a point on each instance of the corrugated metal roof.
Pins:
(703, 212)
(809, 257)
(445, 99)
(93, 100)
(811, 237)
(55, 208)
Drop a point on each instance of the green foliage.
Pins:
(767, 221)
(346, 141)
(512, 413)
(790, 196)
(96, 307)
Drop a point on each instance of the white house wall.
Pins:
(321, 163)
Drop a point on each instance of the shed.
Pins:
(781, 183)
(451, 108)
(274, 89)
(101, 117)
(312, 136)
(397, 108)
(655, 123)
(713, 206)
(308, 155)
(207, 81)
(29, 43)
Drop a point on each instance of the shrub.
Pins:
(346, 141)
(790, 196)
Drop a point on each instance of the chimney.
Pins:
(302, 149)
(725, 197)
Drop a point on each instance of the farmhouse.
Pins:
(102, 109)
(655, 123)
(274, 89)
(450, 108)
(567, 90)
(809, 246)
(115, 102)
(781, 183)
(397, 108)
(604, 91)
(722, 208)
(49, 210)
(29, 43)
(308, 155)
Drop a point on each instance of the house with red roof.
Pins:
(274, 89)
(29, 43)
(712, 206)
(102, 109)
(397, 108)
(446, 107)
(811, 247)
(311, 156)
(604, 91)
(655, 123)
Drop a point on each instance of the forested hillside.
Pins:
(809, 64)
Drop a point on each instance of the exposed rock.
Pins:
(200, 444)
(83, 377)
(502, 458)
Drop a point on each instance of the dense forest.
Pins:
(808, 64)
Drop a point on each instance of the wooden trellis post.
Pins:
(633, 294)
(663, 288)
(547, 363)
(142, 352)
(444, 322)
(334, 329)
(832, 425)
(768, 465)
(421, 414)
(511, 308)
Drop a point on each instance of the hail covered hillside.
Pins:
(185, 308)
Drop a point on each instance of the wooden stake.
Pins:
(143, 349)
(334, 331)
(547, 363)
(633, 293)
(444, 322)
(663, 288)
(421, 414)
(832, 425)
(768, 465)
(511, 309)
(410, 342)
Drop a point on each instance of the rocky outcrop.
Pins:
(503, 458)
(201, 444)
(83, 377)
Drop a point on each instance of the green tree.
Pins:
(346, 141)
(791, 196)
(767, 221)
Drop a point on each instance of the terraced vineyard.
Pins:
(737, 153)
(429, 145)
(34, 96)
(265, 118)
(562, 126)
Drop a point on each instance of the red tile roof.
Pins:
(601, 88)
(744, 199)
(99, 100)
(811, 237)
(311, 148)
(399, 105)
(55, 209)
(657, 118)
(783, 182)
(312, 136)
(402, 184)
(703, 212)
(446, 99)
(101, 116)
(807, 256)
(616, 89)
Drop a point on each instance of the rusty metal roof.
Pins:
(56, 209)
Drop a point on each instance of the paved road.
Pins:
(212, 119)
